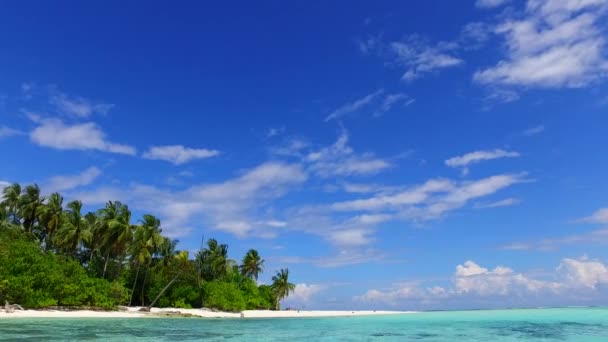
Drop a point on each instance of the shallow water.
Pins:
(572, 324)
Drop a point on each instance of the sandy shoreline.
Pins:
(204, 313)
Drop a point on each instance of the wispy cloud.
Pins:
(421, 58)
(78, 106)
(554, 44)
(478, 156)
(63, 183)
(6, 132)
(234, 206)
(534, 130)
(490, 3)
(599, 216)
(391, 100)
(599, 236)
(354, 106)
(507, 202)
(431, 199)
(340, 160)
(56, 134)
(178, 154)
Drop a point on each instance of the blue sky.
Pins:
(397, 155)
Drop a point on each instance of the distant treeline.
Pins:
(54, 254)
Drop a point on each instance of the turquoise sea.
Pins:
(571, 324)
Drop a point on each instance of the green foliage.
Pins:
(254, 298)
(38, 279)
(223, 296)
(53, 253)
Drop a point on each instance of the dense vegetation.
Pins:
(51, 254)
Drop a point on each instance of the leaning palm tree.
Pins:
(147, 242)
(281, 287)
(252, 264)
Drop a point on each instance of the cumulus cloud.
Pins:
(304, 293)
(62, 183)
(475, 157)
(56, 134)
(555, 44)
(474, 285)
(178, 154)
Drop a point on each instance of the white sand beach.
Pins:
(133, 312)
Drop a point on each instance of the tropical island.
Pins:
(55, 256)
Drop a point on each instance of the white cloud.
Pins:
(4, 184)
(340, 160)
(474, 286)
(431, 199)
(599, 216)
(350, 237)
(6, 132)
(472, 278)
(354, 106)
(56, 134)
(61, 183)
(534, 130)
(391, 100)
(234, 206)
(475, 157)
(507, 202)
(178, 154)
(78, 106)
(583, 273)
(599, 236)
(555, 44)
(274, 131)
(304, 293)
(421, 58)
(490, 3)
(347, 257)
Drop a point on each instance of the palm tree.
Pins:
(182, 264)
(281, 286)
(117, 230)
(93, 240)
(10, 200)
(73, 231)
(30, 203)
(50, 217)
(252, 264)
(213, 261)
(147, 241)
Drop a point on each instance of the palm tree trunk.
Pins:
(164, 289)
(105, 266)
(134, 283)
(143, 286)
